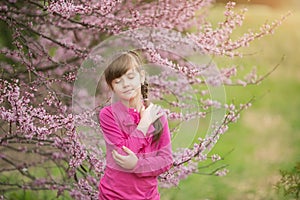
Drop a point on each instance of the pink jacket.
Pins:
(118, 125)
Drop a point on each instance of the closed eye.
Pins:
(131, 76)
(116, 81)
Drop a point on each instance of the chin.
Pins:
(128, 98)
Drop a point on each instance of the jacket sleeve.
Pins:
(160, 160)
(113, 134)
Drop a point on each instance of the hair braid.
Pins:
(157, 123)
(144, 90)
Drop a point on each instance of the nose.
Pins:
(125, 82)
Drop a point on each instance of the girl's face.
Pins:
(128, 86)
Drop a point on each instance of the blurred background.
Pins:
(271, 3)
(266, 139)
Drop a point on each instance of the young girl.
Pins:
(137, 136)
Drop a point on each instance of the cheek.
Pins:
(136, 82)
(115, 88)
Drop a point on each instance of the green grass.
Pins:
(41, 194)
(267, 136)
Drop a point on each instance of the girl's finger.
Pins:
(127, 150)
(158, 108)
(119, 162)
(158, 115)
(117, 157)
(150, 106)
(142, 109)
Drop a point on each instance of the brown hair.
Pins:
(157, 123)
(118, 67)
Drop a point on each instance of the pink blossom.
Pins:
(222, 172)
(51, 39)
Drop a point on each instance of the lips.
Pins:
(128, 91)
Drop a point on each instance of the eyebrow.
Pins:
(130, 71)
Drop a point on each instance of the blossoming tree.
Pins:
(44, 44)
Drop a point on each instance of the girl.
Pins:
(137, 136)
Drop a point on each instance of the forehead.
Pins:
(131, 70)
(128, 72)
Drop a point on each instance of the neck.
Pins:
(135, 102)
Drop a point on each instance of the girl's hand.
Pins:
(148, 116)
(127, 162)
